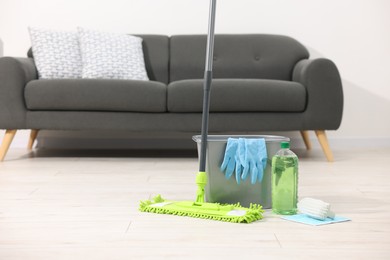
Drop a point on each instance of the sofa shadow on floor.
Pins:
(110, 153)
(114, 144)
(314, 155)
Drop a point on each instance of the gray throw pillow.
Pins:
(56, 53)
(111, 55)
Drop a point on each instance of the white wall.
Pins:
(353, 33)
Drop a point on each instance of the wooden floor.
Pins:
(84, 205)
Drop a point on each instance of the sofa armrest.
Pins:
(14, 75)
(322, 80)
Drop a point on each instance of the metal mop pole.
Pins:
(201, 177)
(208, 75)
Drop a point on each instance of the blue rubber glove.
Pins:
(252, 154)
(229, 161)
(238, 166)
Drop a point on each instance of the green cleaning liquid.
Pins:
(285, 181)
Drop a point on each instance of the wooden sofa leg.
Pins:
(8, 137)
(33, 136)
(324, 144)
(306, 140)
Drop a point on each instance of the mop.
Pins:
(199, 208)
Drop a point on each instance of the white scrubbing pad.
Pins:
(315, 208)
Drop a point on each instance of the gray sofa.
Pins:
(261, 83)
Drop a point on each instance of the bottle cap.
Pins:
(285, 145)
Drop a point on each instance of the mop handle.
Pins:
(208, 75)
(210, 37)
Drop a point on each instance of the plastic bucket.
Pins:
(222, 190)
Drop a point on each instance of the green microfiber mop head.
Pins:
(228, 213)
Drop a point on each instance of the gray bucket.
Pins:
(221, 190)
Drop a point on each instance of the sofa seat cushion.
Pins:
(96, 95)
(238, 95)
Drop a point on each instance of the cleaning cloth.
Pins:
(315, 212)
(305, 219)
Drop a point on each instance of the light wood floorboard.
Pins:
(57, 206)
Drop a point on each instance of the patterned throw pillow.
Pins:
(111, 56)
(56, 53)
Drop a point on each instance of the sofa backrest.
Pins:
(236, 56)
(156, 54)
